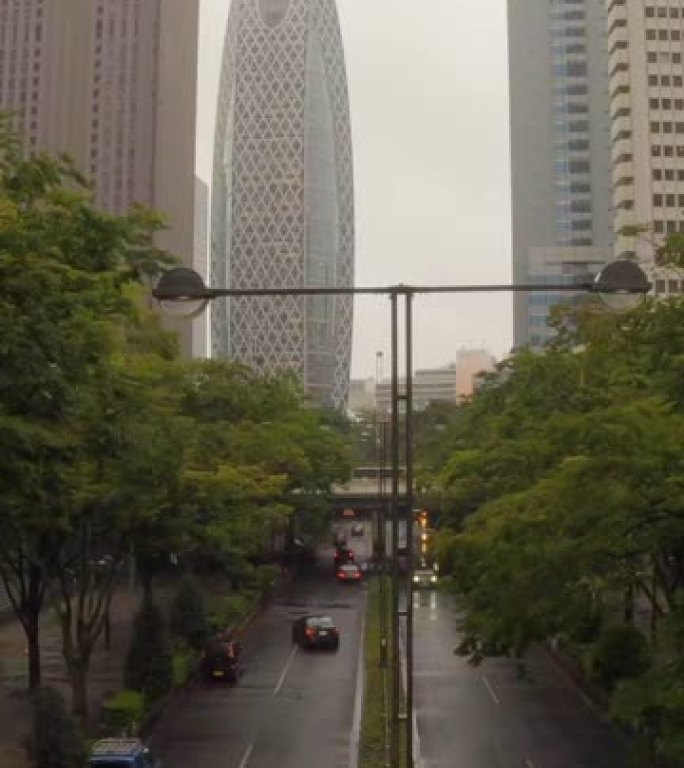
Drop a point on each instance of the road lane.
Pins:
(486, 717)
(292, 707)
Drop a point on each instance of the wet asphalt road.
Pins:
(292, 708)
(487, 718)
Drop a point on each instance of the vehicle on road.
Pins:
(122, 753)
(222, 661)
(316, 632)
(343, 555)
(349, 574)
(358, 529)
(424, 578)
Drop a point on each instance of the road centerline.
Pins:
(490, 689)
(286, 669)
(246, 756)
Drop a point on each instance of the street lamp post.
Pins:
(182, 293)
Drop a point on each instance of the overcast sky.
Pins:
(428, 91)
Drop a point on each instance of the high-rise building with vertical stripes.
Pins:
(113, 84)
(646, 43)
(562, 228)
(282, 198)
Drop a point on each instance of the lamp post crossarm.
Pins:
(389, 290)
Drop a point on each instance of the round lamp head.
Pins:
(621, 285)
(181, 293)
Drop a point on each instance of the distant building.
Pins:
(436, 385)
(361, 396)
(113, 83)
(646, 41)
(470, 364)
(560, 143)
(200, 325)
(282, 195)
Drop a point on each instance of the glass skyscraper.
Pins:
(282, 202)
(560, 151)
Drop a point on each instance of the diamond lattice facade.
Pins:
(282, 203)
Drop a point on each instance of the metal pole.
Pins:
(381, 444)
(408, 331)
(395, 656)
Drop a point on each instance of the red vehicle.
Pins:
(350, 573)
(343, 555)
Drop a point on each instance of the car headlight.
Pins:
(433, 578)
(416, 579)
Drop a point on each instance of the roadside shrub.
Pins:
(622, 652)
(227, 611)
(149, 663)
(188, 617)
(265, 578)
(55, 741)
(122, 714)
(185, 661)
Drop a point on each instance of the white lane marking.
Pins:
(246, 756)
(529, 763)
(355, 734)
(417, 756)
(490, 689)
(288, 663)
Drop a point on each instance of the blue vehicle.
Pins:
(122, 753)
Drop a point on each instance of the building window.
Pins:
(658, 201)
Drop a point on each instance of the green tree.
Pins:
(149, 663)
(188, 617)
(68, 274)
(54, 741)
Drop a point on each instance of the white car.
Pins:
(424, 578)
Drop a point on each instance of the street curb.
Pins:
(594, 699)
(153, 718)
(359, 695)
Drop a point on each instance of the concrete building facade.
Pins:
(282, 195)
(200, 325)
(560, 146)
(470, 365)
(113, 84)
(646, 40)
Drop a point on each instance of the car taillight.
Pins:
(341, 575)
(310, 632)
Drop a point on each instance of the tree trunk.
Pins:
(79, 690)
(628, 605)
(32, 632)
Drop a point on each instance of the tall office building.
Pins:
(112, 83)
(282, 200)
(200, 324)
(647, 112)
(560, 151)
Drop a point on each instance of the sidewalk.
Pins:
(105, 677)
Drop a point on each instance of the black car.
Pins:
(221, 661)
(316, 632)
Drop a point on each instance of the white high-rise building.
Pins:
(282, 195)
(200, 325)
(646, 43)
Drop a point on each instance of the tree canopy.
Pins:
(564, 501)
